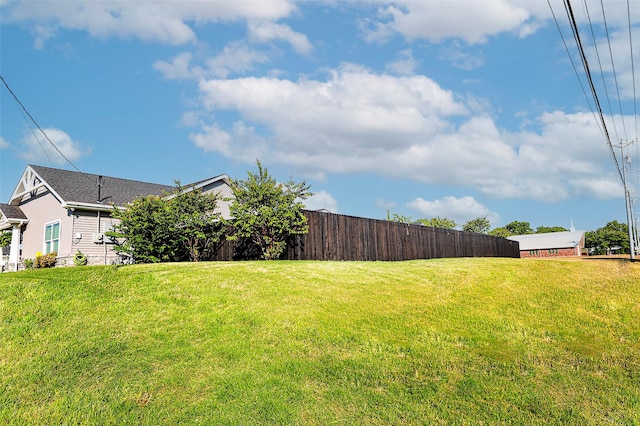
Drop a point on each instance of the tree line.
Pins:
(614, 235)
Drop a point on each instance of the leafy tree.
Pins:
(438, 222)
(480, 225)
(183, 225)
(268, 212)
(197, 228)
(144, 230)
(500, 232)
(399, 218)
(547, 229)
(613, 234)
(519, 228)
(5, 239)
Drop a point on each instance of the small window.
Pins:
(51, 237)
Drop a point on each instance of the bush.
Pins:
(46, 260)
(28, 263)
(79, 259)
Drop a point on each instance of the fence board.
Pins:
(339, 237)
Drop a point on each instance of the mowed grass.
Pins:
(447, 341)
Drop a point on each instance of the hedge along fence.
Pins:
(338, 237)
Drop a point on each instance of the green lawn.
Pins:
(447, 341)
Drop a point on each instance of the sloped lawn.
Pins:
(449, 341)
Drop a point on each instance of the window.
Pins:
(51, 237)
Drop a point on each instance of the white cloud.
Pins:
(459, 210)
(42, 33)
(403, 127)
(404, 65)
(3, 143)
(474, 22)
(163, 22)
(439, 20)
(179, 68)
(322, 200)
(36, 148)
(459, 58)
(265, 31)
(235, 58)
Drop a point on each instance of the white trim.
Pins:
(8, 223)
(220, 178)
(88, 206)
(27, 184)
(44, 234)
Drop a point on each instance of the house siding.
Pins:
(42, 209)
(225, 193)
(86, 224)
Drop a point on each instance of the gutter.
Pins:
(10, 222)
(72, 205)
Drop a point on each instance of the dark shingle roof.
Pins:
(12, 212)
(83, 187)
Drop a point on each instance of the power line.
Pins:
(23, 108)
(575, 69)
(604, 84)
(613, 67)
(633, 74)
(585, 63)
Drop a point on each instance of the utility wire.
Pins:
(35, 136)
(42, 131)
(575, 69)
(613, 67)
(585, 63)
(633, 74)
(604, 84)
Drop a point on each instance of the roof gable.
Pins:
(75, 187)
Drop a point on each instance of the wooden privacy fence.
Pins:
(339, 237)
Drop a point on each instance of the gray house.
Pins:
(54, 210)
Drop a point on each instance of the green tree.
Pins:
(438, 222)
(519, 228)
(5, 239)
(400, 218)
(480, 225)
(268, 212)
(196, 226)
(613, 234)
(547, 229)
(500, 232)
(182, 225)
(144, 230)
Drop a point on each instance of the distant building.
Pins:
(552, 244)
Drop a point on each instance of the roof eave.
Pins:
(188, 188)
(72, 205)
(10, 222)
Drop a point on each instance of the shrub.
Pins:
(79, 259)
(46, 260)
(28, 263)
(268, 212)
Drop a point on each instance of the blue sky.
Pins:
(455, 108)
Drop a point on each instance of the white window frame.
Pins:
(51, 240)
